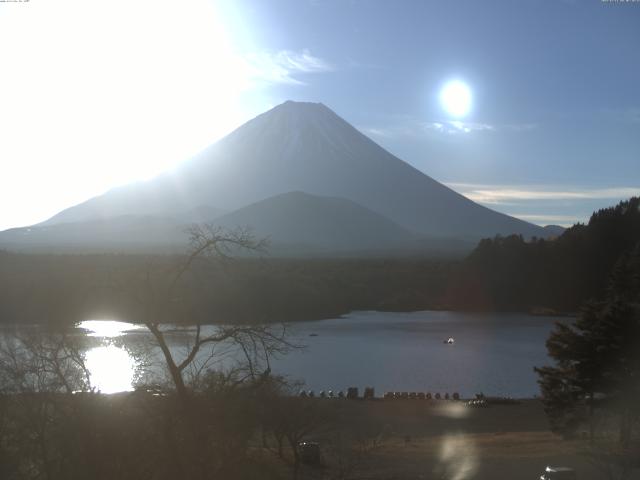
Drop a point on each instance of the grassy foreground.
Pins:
(246, 436)
(449, 440)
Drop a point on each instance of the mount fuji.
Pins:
(294, 147)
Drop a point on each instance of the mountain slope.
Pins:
(122, 233)
(320, 223)
(295, 223)
(304, 147)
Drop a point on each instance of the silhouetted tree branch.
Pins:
(255, 343)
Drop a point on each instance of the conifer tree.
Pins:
(598, 358)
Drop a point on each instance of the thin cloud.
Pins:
(544, 204)
(410, 127)
(455, 127)
(563, 220)
(285, 65)
(508, 194)
(389, 132)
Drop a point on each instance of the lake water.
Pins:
(493, 353)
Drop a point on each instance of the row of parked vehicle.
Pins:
(420, 396)
(353, 393)
(321, 394)
(482, 401)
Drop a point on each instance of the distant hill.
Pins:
(304, 223)
(199, 214)
(325, 223)
(131, 233)
(308, 148)
(124, 233)
(553, 230)
(295, 223)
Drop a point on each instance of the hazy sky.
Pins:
(96, 94)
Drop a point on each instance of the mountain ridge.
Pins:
(305, 147)
(297, 224)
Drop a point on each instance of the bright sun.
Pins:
(455, 98)
(97, 94)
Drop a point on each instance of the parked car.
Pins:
(558, 473)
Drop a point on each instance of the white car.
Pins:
(558, 473)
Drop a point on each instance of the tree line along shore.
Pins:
(501, 274)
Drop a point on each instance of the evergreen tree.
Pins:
(598, 358)
(512, 273)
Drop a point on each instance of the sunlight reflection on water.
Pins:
(111, 368)
(107, 328)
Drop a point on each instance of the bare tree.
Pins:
(167, 299)
(39, 372)
(42, 362)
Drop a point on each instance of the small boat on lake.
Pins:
(449, 341)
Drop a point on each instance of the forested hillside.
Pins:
(509, 273)
(501, 274)
(62, 289)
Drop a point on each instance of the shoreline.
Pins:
(179, 326)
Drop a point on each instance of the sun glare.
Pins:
(96, 94)
(107, 328)
(455, 98)
(112, 369)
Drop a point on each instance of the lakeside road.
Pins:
(448, 440)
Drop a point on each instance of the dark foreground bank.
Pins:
(253, 433)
